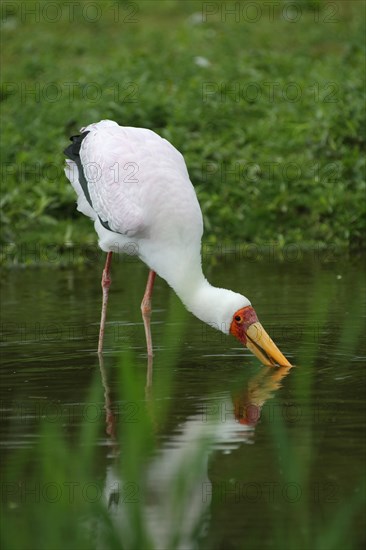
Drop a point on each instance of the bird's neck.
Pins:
(215, 306)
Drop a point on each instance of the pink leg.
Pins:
(146, 310)
(106, 283)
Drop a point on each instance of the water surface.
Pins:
(205, 448)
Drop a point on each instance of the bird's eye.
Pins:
(237, 318)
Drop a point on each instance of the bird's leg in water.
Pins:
(146, 310)
(149, 373)
(106, 283)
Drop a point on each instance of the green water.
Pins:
(205, 448)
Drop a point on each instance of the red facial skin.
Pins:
(246, 412)
(242, 320)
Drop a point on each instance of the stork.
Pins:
(135, 186)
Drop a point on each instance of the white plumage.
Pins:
(139, 185)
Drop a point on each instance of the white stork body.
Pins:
(142, 202)
(139, 183)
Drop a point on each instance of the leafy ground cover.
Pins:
(264, 100)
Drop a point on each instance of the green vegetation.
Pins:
(265, 104)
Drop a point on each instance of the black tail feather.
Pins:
(73, 150)
(73, 153)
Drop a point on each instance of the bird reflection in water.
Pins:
(183, 457)
(248, 403)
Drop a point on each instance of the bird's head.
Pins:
(232, 313)
(248, 330)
